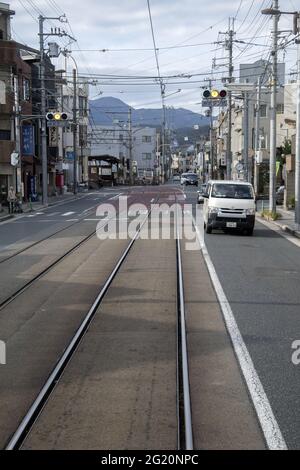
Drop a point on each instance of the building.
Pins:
(15, 100)
(115, 141)
(250, 73)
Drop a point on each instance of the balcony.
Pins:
(6, 149)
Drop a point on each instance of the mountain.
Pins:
(105, 110)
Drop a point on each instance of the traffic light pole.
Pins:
(43, 113)
(230, 80)
(43, 126)
(211, 168)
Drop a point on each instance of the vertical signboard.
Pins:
(28, 141)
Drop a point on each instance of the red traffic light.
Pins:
(223, 94)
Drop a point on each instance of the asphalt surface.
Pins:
(260, 276)
(28, 228)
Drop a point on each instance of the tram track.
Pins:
(184, 418)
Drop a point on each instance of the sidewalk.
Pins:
(37, 206)
(286, 222)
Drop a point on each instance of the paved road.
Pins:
(18, 233)
(261, 277)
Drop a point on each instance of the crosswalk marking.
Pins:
(67, 214)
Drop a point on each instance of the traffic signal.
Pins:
(214, 94)
(56, 116)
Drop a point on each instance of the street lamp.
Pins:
(275, 12)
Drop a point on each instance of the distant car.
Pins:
(202, 190)
(176, 178)
(280, 195)
(189, 179)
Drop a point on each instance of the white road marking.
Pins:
(67, 214)
(72, 220)
(115, 197)
(268, 422)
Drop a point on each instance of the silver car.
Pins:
(202, 190)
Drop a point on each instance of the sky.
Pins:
(114, 38)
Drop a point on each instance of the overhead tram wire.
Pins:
(245, 18)
(161, 82)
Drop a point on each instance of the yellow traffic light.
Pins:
(214, 93)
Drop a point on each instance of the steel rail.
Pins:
(185, 423)
(36, 408)
(26, 286)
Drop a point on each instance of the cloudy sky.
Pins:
(187, 34)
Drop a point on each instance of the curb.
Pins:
(6, 217)
(284, 228)
(52, 204)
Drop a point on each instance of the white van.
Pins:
(229, 205)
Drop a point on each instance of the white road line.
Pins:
(115, 197)
(268, 422)
(278, 229)
(67, 214)
(72, 220)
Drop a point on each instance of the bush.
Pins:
(292, 203)
(270, 215)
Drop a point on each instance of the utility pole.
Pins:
(43, 127)
(75, 130)
(246, 136)
(130, 146)
(257, 136)
(18, 168)
(163, 131)
(43, 113)
(231, 34)
(297, 159)
(272, 187)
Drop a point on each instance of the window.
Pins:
(232, 191)
(146, 156)
(121, 137)
(263, 140)
(146, 138)
(263, 110)
(5, 135)
(280, 108)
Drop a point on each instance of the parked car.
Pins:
(176, 178)
(189, 179)
(229, 205)
(200, 193)
(280, 195)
